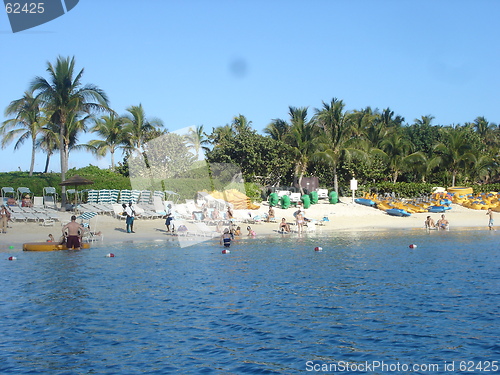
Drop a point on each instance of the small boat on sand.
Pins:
(397, 212)
(365, 202)
(48, 246)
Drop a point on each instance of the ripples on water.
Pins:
(267, 308)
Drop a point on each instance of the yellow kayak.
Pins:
(48, 246)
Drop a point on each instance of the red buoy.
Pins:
(413, 246)
(318, 248)
(110, 255)
(12, 258)
(225, 251)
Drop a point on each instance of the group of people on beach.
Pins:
(442, 223)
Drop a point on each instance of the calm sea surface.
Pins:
(272, 306)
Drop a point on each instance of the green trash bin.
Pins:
(333, 197)
(273, 199)
(314, 197)
(306, 201)
(285, 201)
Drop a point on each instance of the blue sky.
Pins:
(202, 62)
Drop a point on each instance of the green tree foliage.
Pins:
(162, 158)
(67, 101)
(26, 124)
(260, 158)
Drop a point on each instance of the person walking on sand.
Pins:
(73, 231)
(168, 222)
(129, 210)
(490, 220)
(4, 218)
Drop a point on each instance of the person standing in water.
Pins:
(226, 238)
(73, 231)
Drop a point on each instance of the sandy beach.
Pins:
(343, 216)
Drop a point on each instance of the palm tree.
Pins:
(110, 128)
(241, 124)
(26, 124)
(65, 97)
(49, 142)
(302, 139)
(397, 149)
(197, 140)
(455, 152)
(337, 127)
(277, 129)
(138, 128)
(486, 131)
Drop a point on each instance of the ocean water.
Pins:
(271, 306)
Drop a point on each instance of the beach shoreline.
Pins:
(343, 217)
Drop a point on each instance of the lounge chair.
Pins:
(50, 197)
(118, 211)
(322, 193)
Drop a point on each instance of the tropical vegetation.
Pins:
(377, 147)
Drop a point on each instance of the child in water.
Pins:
(250, 231)
(225, 239)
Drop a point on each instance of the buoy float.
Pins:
(413, 246)
(12, 258)
(11, 246)
(225, 251)
(110, 255)
(318, 248)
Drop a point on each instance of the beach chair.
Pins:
(134, 196)
(145, 197)
(92, 196)
(114, 194)
(50, 197)
(104, 196)
(322, 193)
(125, 196)
(294, 198)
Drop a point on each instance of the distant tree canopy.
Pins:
(330, 142)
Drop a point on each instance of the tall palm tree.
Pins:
(486, 131)
(277, 129)
(65, 97)
(111, 129)
(454, 153)
(48, 141)
(241, 124)
(336, 125)
(302, 139)
(26, 124)
(138, 127)
(197, 140)
(397, 149)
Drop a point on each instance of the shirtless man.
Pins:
(490, 221)
(74, 231)
(443, 223)
(429, 223)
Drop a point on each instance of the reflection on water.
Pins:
(270, 306)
